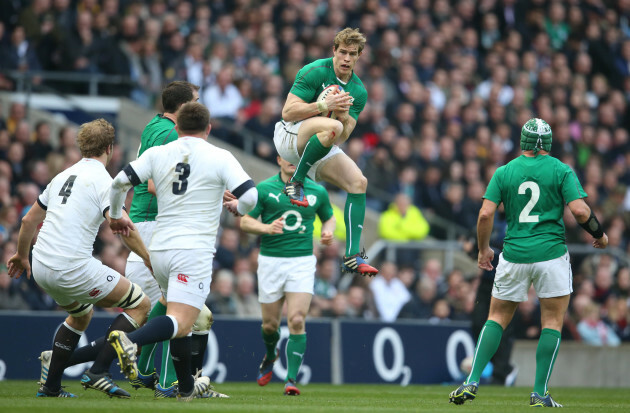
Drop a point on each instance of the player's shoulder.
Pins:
(356, 81)
(325, 63)
(320, 67)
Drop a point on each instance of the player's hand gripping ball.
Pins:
(322, 97)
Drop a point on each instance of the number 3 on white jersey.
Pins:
(535, 193)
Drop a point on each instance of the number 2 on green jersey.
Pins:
(535, 195)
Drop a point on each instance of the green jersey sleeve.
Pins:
(493, 192)
(306, 83)
(359, 103)
(571, 187)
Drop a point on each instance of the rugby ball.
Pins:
(322, 96)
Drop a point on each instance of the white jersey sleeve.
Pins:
(141, 168)
(233, 173)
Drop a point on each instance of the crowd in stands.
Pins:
(450, 84)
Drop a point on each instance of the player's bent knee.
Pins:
(204, 321)
(359, 185)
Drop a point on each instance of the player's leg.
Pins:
(553, 282)
(303, 144)
(315, 137)
(297, 308)
(135, 305)
(270, 331)
(511, 284)
(182, 274)
(66, 339)
(342, 172)
(552, 315)
(500, 315)
(272, 277)
(200, 333)
(138, 273)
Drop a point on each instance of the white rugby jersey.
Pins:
(75, 202)
(190, 176)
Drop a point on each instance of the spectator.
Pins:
(390, 294)
(247, 304)
(594, 331)
(420, 306)
(221, 299)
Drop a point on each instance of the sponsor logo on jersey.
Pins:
(94, 292)
(312, 199)
(275, 196)
(182, 278)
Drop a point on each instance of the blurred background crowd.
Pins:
(450, 84)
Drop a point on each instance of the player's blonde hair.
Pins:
(95, 137)
(350, 37)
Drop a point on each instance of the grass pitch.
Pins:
(19, 396)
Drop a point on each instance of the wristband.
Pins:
(322, 107)
(593, 227)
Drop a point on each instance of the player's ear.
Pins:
(208, 129)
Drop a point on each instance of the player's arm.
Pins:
(245, 198)
(254, 226)
(241, 188)
(485, 222)
(18, 263)
(328, 229)
(296, 109)
(133, 174)
(588, 221)
(133, 241)
(348, 122)
(151, 187)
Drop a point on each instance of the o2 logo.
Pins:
(297, 224)
(454, 340)
(304, 375)
(212, 364)
(398, 368)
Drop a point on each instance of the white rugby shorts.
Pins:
(285, 140)
(184, 276)
(551, 278)
(279, 275)
(87, 284)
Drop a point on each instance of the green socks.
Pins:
(145, 361)
(296, 346)
(313, 152)
(353, 216)
(487, 345)
(270, 341)
(168, 376)
(546, 353)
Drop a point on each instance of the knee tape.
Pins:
(132, 298)
(79, 310)
(204, 321)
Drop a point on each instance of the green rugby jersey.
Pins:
(534, 191)
(313, 78)
(297, 237)
(159, 131)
